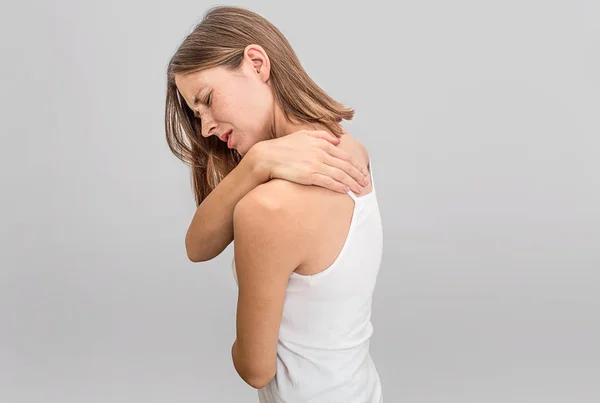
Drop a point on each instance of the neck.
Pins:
(282, 126)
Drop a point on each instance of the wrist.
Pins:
(258, 166)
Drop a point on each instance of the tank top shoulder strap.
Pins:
(371, 174)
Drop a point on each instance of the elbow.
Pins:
(193, 253)
(194, 257)
(257, 380)
(259, 384)
(257, 376)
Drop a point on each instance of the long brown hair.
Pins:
(220, 40)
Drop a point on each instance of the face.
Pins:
(240, 102)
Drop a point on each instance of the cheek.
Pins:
(261, 105)
(247, 106)
(251, 111)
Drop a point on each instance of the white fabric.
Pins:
(323, 348)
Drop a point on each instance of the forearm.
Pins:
(211, 229)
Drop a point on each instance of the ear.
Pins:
(258, 61)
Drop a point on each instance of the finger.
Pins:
(341, 159)
(339, 175)
(325, 135)
(329, 183)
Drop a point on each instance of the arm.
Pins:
(304, 157)
(211, 229)
(269, 245)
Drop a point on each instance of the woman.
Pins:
(244, 114)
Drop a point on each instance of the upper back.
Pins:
(318, 206)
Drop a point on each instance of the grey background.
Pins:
(482, 123)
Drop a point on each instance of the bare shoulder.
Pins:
(293, 201)
(300, 212)
(283, 215)
(304, 201)
(354, 147)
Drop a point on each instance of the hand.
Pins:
(310, 157)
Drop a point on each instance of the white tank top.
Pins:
(323, 347)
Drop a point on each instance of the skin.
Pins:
(274, 223)
(241, 101)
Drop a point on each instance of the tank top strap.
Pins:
(371, 175)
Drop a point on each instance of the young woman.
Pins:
(256, 130)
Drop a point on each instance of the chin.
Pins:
(241, 149)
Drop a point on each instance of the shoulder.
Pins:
(271, 195)
(300, 205)
(279, 199)
(284, 213)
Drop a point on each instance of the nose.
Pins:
(208, 126)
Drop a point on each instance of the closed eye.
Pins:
(207, 102)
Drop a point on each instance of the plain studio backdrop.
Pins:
(482, 121)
